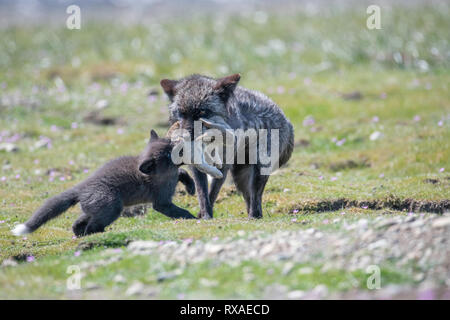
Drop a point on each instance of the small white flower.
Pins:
(375, 135)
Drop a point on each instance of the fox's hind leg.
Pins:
(80, 225)
(251, 183)
(101, 214)
(259, 182)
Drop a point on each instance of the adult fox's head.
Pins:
(199, 97)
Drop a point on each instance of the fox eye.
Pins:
(203, 113)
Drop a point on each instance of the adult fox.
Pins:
(221, 104)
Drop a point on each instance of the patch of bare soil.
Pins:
(301, 143)
(354, 95)
(432, 181)
(96, 117)
(394, 203)
(350, 164)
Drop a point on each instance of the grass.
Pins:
(52, 78)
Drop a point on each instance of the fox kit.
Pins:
(124, 181)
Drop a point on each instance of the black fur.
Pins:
(118, 184)
(222, 101)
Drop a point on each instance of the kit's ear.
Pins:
(226, 85)
(147, 166)
(169, 87)
(153, 135)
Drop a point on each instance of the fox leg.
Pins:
(251, 183)
(201, 186)
(186, 179)
(80, 224)
(259, 183)
(216, 185)
(172, 211)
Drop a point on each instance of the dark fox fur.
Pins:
(124, 181)
(222, 101)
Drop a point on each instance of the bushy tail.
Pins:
(52, 208)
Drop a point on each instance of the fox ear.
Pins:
(153, 135)
(226, 85)
(169, 87)
(147, 166)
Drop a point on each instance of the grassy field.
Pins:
(370, 108)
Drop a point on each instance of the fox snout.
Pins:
(188, 126)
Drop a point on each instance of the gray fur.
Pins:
(121, 183)
(221, 100)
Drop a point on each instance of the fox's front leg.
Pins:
(188, 182)
(201, 185)
(172, 211)
(216, 185)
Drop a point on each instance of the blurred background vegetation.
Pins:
(337, 81)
